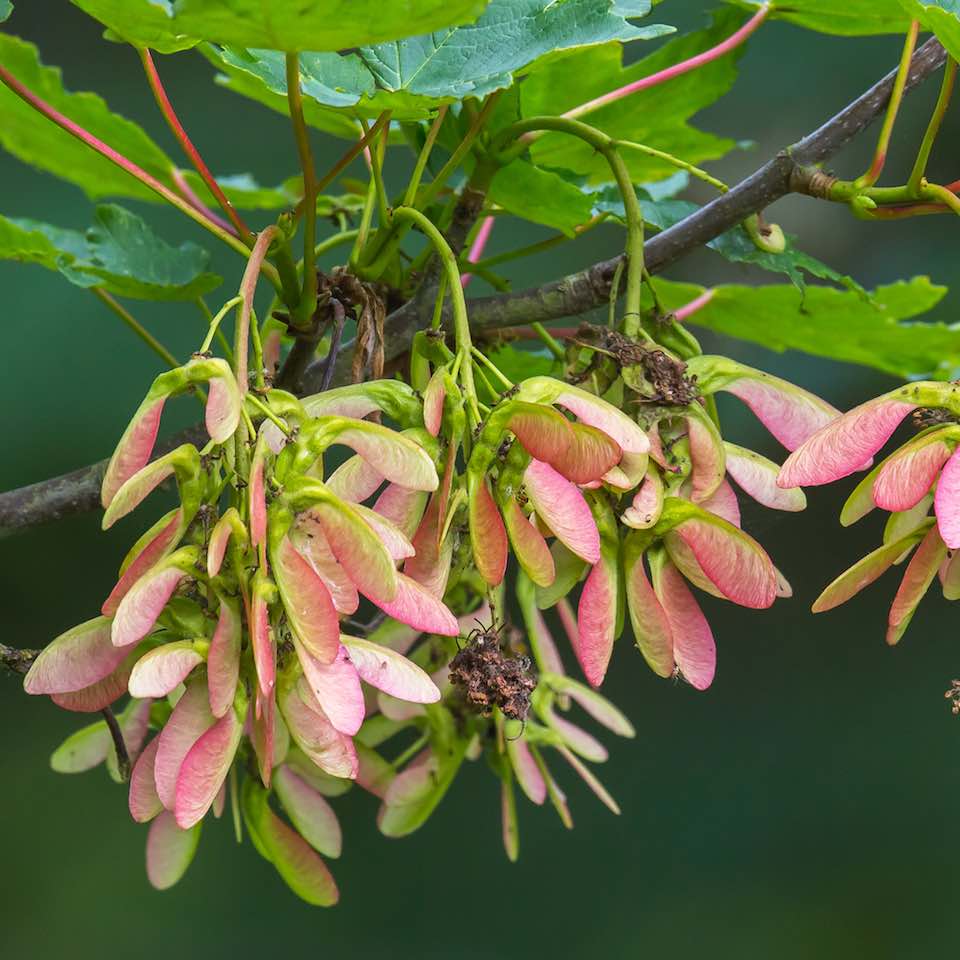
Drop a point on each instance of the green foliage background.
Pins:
(804, 806)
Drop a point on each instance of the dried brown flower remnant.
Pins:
(953, 695)
(489, 679)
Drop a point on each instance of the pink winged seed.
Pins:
(651, 625)
(845, 445)
(264, 655)
(526, 770)
(307, 601)
(163, 669)
(488, 536)
(529, 546)
(204, 770)
(309, 540)
(791, 415)
(906, 477)
(391, 672)
(706, 457)
(596, 621)
(152, 552)
(190, 719)
(724, 504)
(397, 457)
(402, 506)
(417, 607)
(613, 422)
(946, 502)
(694, 648)
(143, 603)
(169, 851)
(433, 397)
(564, 509)
(143, 800)
(134, 450)
(757, 477)
(733, 561)
(222, 412)
(336, 687)
(917, 578)
(78, 658)
(359, 550)
(330, 750)
(223, 658)
(100, 694)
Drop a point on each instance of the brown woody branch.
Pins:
(787, 172)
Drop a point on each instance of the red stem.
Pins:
(180, 181)
(733, 41)
(169, 114)
(138, 173)
(698, 303)
(476, 250)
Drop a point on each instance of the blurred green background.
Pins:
(802, 807)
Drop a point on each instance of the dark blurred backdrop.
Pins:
(802, 807)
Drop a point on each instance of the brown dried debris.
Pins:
(489, 679)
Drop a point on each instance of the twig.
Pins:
(119, 744)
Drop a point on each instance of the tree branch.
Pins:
(785, 173)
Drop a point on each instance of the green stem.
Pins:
(365, 219)
(606, 146)
(551, 344)
(933, 127)
(221, 338)
(308, 299)
(438, 303)
(354, 151)
(676, 162)
(429, 192)
(376, 168)
(423, 157)
(492, 367)
(325, 246)
(268, 413)
(215, 322)
(148, 338)
(933, 191)
(873, 172)
(461, 322)
(257, 351)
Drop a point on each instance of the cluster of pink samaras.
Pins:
(923, 473)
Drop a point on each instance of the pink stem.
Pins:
(84, 136)
(248, 286)
(693, 306)
(476, 250)
(173, 121)
(181, 182)
(678, 69)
